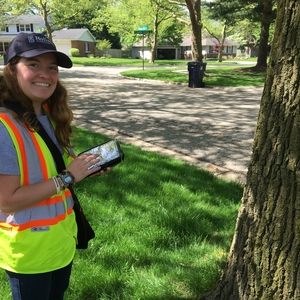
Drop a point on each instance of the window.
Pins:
(86, 47)
(229, 49)
(6, 44)
(25, 27)
(4, 47)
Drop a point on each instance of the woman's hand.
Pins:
(79, 166)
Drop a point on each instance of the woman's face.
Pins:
(37, 77)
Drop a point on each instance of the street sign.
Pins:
(141, 28)
(142, 31)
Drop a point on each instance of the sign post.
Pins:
(143, 30)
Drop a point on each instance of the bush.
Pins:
(106, 56)
(74, 52)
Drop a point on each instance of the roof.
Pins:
(213, 41)
(7, 37)
(24, 19)
(186, 41)
(71, 34)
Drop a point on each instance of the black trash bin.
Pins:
(196, 72)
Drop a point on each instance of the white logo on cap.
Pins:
(43, 39)
(31, 39)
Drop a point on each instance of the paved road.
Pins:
(212, 128)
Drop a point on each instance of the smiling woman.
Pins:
(37, 221)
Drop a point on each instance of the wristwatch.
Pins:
(67, 178)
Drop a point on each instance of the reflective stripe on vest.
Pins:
(17, 139)
(36, 165)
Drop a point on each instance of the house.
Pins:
(64, 39)
(142, 50)
(82, 39)
(184, 51)
(230, 47)
(17, 24)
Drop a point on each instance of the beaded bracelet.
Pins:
(57, 184)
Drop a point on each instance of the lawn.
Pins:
(229, 73)
(163, 229)
(214, 75)
(123, 62)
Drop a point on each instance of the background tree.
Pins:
(124, 17)
(85, 19)
(4, 9)
(262, 11)
(50, 10)
(103, 45)
(267, 17)
(264, 258)
(218, 29)
(195, 24)
(246, 33)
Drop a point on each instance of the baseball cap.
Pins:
(33, 44)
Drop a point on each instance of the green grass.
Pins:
(228, 73)
(214, 76)
(123, 62)
(163, 229)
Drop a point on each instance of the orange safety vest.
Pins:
(40, 238)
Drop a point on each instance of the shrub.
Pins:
(106, 56)
(74, 52)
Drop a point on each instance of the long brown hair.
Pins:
(57, 103)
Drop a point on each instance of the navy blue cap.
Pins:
(33, 44)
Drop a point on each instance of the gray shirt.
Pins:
(8, 155)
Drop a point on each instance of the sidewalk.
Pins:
(211, 128)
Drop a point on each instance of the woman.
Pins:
(37, 224)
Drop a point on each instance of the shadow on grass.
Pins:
(156, 215)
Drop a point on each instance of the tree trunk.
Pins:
(267, 19)
(153, 42)
(220, 54)
(45, 18)
(194, 7)
(264, 258)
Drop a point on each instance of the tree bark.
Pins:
(264, 258)
(194, 7)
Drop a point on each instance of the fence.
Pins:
(115, 53)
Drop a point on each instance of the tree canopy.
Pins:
(125, 17)
(256, 11)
